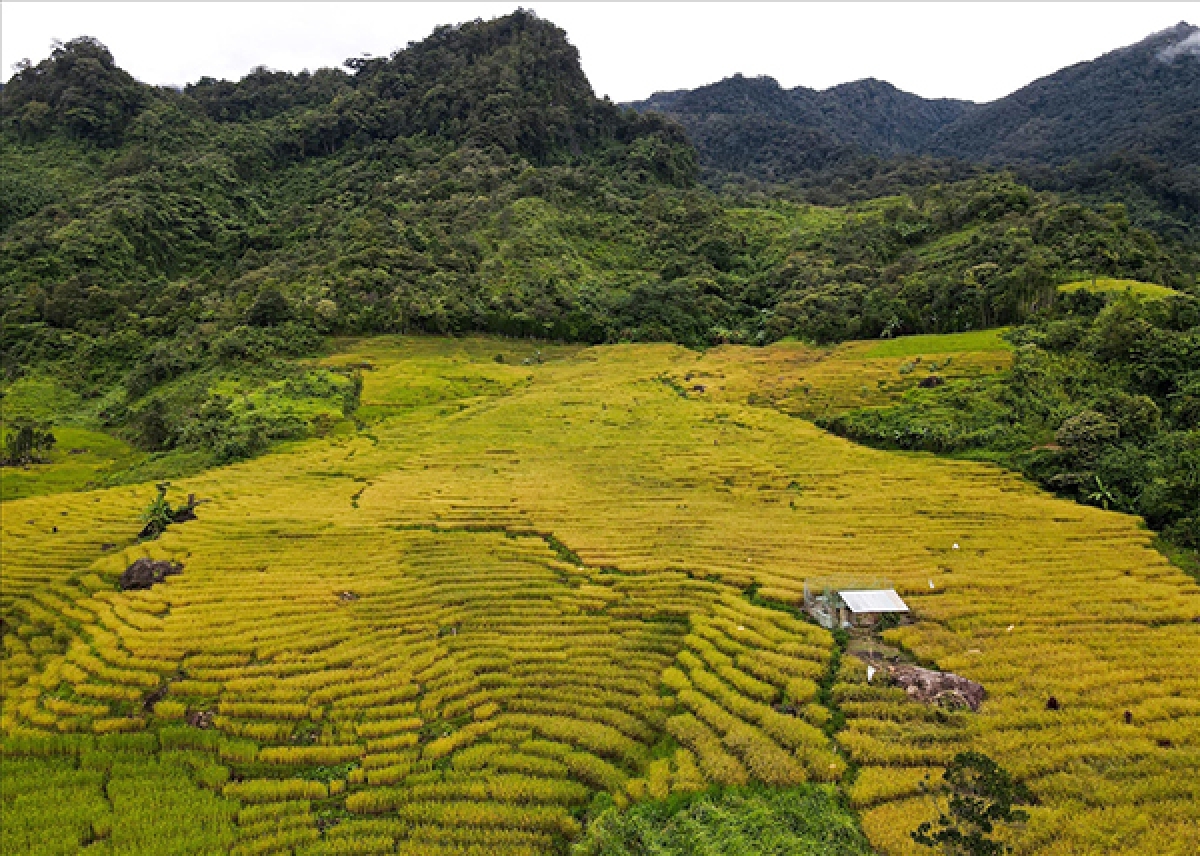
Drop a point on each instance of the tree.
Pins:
(980, 796)
(269, 308)
(153, 429)
(1086, 432)
(26, 443)
(78, 89)
(158, 515)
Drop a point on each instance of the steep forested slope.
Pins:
(357, 187)
(1143, 98)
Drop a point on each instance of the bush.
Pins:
(768, 822)
(980, 796)
(1084, 433)
(269, 309)
(158, 515)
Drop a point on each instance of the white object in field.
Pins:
(877, 600)
(870, 673)
(1010, 627)
(931, 585)
(956, 546)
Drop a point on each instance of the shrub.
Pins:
(981, 796)
(770, 822)
(158, 515)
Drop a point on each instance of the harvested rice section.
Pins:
(811, 382)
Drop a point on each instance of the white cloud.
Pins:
(1190, 45)
(977, 51)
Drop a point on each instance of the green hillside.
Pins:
(1101, 407)
(471, 182)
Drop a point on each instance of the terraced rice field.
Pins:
(1142, 290)
(812, 382)
(521, 586)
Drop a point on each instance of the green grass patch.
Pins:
(82, 458)
(942, 343)
(37, 397)
(111, 803)
(946, 245)
(1185, 559)
(1143, 290)
(787, 221)
(802, 821)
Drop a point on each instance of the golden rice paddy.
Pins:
(520, 585)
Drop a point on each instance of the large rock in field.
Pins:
(146, 572)
(932, 687)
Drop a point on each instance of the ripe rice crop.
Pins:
(386, 727)
(324, 755)
(717, 764)
(462, 622)
(271, 790)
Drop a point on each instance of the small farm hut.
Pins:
(864, 608)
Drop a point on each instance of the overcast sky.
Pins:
(629, 50)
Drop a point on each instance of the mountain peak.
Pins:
(864, 116)
(1137, 99)
(1181, 40)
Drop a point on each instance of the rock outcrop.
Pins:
(933, 687)
(146, 572)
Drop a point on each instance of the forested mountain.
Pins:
(473, 181)
(362, 191)
(755, 127)
(1143, 99)
(1125, 126)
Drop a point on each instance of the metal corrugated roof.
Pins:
(878, 600)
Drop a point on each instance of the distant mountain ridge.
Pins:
(870, 114)
(1143, 98)
(1125, 125)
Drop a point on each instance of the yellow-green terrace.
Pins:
(537, 573)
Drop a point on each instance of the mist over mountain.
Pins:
(1143, 99)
